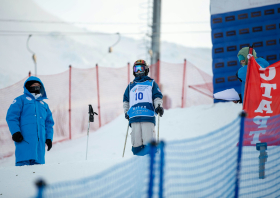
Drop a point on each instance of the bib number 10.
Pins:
(139, 96)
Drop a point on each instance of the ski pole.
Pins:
(125, 140)
(90, 119)
(158, 127)
(158, 130)
(87, 138)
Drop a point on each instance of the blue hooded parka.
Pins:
(242, 72)
(33, 118)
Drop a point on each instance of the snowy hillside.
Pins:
(66, 160)
(55, 51)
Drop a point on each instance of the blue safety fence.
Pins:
(203, 166)
(260, 173)
(128, 179)
(212, 165)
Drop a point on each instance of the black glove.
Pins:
(49, 144)
(126, 116)
(17, 137)
(159, 110)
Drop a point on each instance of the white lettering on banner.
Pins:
(264, 106)
(260, 120)
(256, 135)
(271, 73)
(267, 89)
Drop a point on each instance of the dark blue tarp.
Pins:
(233, 30)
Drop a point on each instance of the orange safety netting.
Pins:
(69, 94)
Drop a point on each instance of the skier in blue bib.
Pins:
(142, 101)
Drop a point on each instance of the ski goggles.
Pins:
(140, 68)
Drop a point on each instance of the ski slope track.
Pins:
(66, 160)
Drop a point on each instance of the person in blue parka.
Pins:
(242, 72)
(31, 124)
(142, 100)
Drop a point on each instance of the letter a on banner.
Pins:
(262, 104)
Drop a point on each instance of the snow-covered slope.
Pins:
(55, 51)
(66, 160)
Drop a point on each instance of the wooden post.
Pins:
(98, 96)
(29, 73)
(183, 87)
(70, 78)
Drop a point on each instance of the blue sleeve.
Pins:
(126, 95)
(49, 124)
(13, 115)
(156, 91)
(242, 73)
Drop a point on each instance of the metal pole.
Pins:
(128, 72)
(183, 87)
(161, 170)
(239, 154)
(152, 151)
(97, 79)
(87, 138)
(33, 54)
(158, 130)
(35, 62)
(156, 32)
(125, 140)
(251, 48)
(70, 78)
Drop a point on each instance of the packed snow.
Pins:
(55, 52)
(66, 160)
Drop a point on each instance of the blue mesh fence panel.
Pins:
(128, 179)
(204, 166)
(260, 173)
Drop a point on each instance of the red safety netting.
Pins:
(71, 92)
(183, 85)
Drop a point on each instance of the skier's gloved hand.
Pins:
(126, 116)
(159, 110)
(49, 144)
(17, 137)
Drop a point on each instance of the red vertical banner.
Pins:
(98, 95)
(70, 79)
(262, 103)
(183, 87)
(128, 72)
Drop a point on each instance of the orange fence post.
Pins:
(70, 78)
(98, 96)
(128, 72)
(183, 88)
(158, 73)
